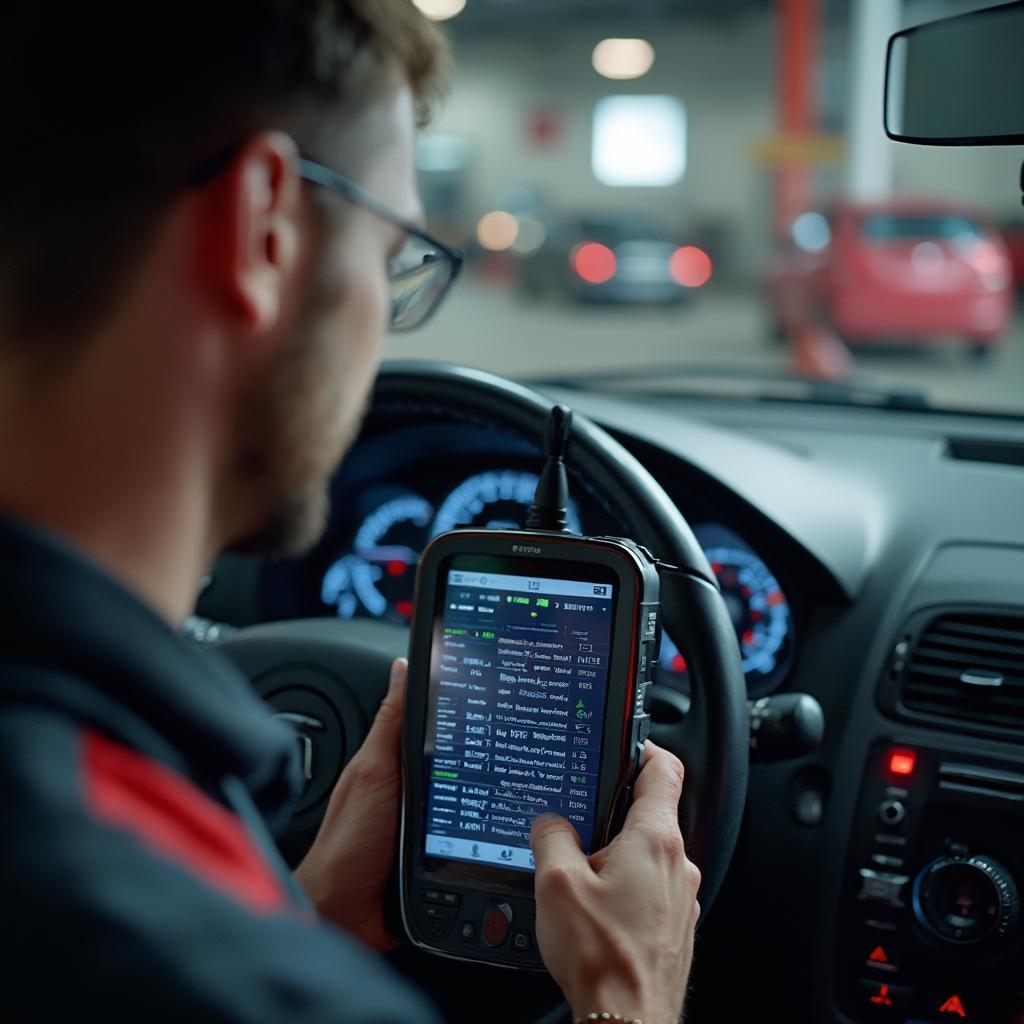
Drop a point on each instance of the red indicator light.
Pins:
(678, 663)
(404, 608)
(878, 955)
(882, 997)
(594, 262)
(396, 567)
(953, 1005)
(690, 266)
(901, 762)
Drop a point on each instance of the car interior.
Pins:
(859, 499)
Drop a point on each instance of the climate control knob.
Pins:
(967, 900)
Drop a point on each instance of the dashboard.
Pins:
(871, 558)
(365, 566)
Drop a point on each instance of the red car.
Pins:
(907, 270)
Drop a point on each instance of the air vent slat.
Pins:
(1015, 633)
(969, 669)
(956, 698)
(929, 655)
(960, 643)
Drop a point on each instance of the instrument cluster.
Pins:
(365, 567)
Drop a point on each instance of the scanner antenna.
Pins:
(550, 508)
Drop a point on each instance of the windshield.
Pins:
(694, 198)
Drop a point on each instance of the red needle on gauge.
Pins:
(394, 561)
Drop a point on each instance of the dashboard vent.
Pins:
(967, 667)
(1007, 453)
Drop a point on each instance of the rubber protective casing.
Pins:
(633, 646)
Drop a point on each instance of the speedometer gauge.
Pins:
(499, 499)
(381, 571)
(757, 606)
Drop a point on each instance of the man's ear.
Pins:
(251, 230)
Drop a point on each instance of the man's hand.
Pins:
(616, 929)
(350, 861)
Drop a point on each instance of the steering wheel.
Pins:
(328, 676)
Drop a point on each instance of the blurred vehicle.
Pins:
(905, 270)
(621, 258)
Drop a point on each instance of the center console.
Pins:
(930, 924)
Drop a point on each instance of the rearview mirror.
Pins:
(958, 81)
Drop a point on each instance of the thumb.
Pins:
(555, 843)
(386, 732)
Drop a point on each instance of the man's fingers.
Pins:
(555, 843)
(657, 790)
(378, 761)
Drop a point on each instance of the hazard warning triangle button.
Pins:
(878, 956)
(954, 1007)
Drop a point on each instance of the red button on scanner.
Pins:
(497, 922)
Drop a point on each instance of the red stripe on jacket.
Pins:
(177, 821)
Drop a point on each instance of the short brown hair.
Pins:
(106, 108)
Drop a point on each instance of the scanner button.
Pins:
(650, 624)
(522, 942)
(643, 727)
(444, 899)
(497, 922)
(467, 931)
(439, 921)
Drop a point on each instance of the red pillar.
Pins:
(799, 45)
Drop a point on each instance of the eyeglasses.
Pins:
(421, 274)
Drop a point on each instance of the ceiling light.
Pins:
(623, 58)
(440, 10)
(639, 140)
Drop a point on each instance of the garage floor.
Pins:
(490, 327)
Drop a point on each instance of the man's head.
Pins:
(151, 203)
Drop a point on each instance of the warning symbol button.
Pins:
(954, 1006)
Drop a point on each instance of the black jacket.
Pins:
(140, 780)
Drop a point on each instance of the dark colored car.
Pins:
(615, 259)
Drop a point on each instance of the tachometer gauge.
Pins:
(498, 499)
(380, 573)
(757, 606)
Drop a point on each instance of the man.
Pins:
(191, 310)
